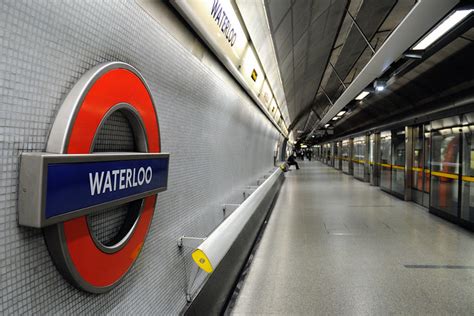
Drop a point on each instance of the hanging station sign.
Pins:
(61, 187)
(219, 25)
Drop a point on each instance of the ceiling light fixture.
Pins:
(413, 55)
(335, 118)
(341, 113)
(362, 95)
(380, 85)
(442, 28)
(327, 125)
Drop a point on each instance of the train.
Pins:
(431, 164)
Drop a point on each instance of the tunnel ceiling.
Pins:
(441, 81)
(304, 33)
(318, 46)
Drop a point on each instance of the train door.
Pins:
(358, 159)
(385, 161)
(374, 149)
(467, 200)
(445, 166)
(328, 154)
(324, 155)
(345, 156)
(366, 159)
(398, 163)
(420, 185)
(318, 152)
(427, 165)
(333, 154)
(337, 157)
(418, 165)
(351, 156)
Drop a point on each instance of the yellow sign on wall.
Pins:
(254, 75)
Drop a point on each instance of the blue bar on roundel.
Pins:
(74, 186)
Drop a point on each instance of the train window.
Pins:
(467, 204)
(417, 170)
(358, 157)
(445, 166)
(338, 156)
(427, 158)
(398, 162)
(418, 165)
(385, 160)
(345, 155)
(421, 168)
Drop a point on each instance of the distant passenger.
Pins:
(292, 162)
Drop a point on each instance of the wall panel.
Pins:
(218, 139)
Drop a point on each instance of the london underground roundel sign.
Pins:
(61, 187)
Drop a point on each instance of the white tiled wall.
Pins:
(218, 139)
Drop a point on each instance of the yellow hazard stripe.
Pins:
(420, 169)
(445, 175)
(386, 165)
(398, 167)
(468, 178)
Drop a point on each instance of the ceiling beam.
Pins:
(424, 15)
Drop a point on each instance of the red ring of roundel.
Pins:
(116, 86)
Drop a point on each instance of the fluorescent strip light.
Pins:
(327, 125)
(335, 118)
(362, 95)
(442, 28)
(341, 113)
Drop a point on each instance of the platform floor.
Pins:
(337, 246)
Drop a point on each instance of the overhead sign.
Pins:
(218, 24)
(58, 189)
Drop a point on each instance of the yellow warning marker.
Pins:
(202, 261)
(468, 178)
(445, 175)
(254, 75)
(398, 167)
